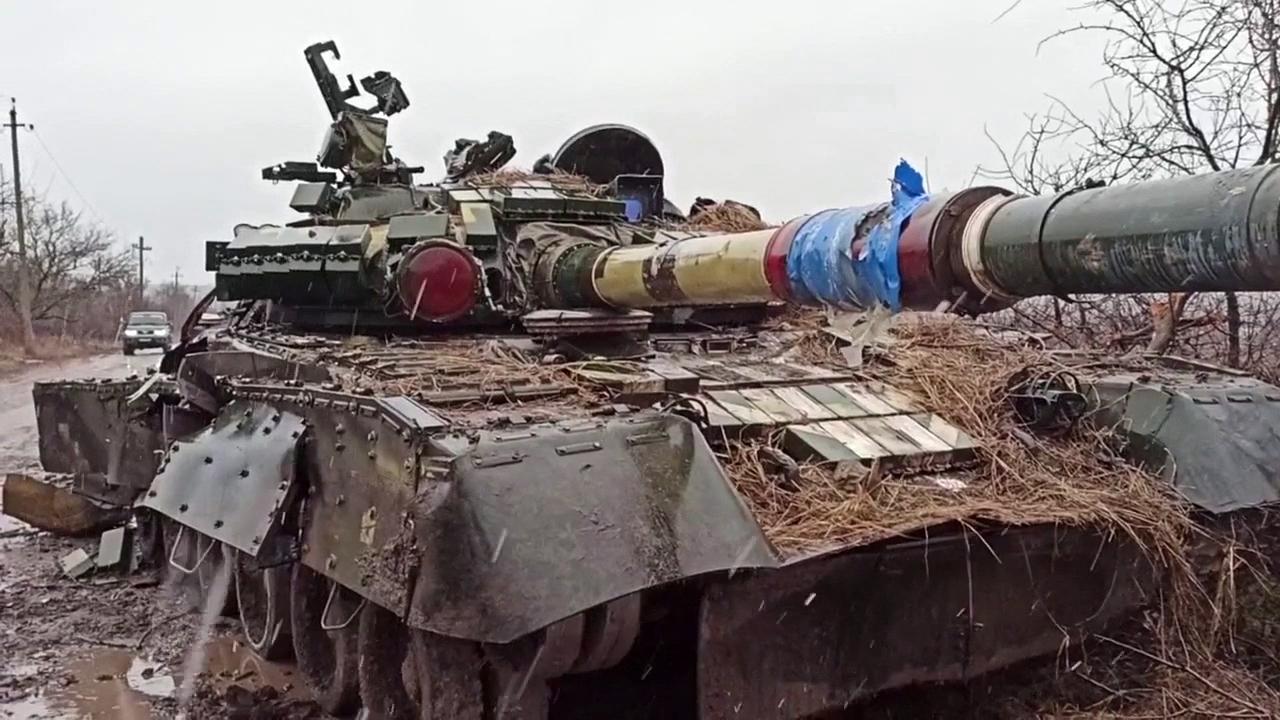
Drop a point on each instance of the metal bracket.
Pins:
(177, 543)
(333, 590)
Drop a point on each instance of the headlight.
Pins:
(131, 333)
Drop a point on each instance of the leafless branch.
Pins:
(1188, 87)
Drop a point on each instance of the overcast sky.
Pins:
(162, 115)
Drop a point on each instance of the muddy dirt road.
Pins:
(109, 646)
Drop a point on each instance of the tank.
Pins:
(474, 448)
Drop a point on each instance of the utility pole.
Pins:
(141, 247)
(24, 278)
(176, 274)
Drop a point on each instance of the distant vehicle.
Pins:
(146, 329)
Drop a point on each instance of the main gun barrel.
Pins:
(1215, 232)
(982, 247)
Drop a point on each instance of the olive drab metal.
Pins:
(469, 434)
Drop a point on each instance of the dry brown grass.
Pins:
(1158, 666)
(726, 217)
(961, 373)
(491, 370)
(1135, 676)
(514, 177)
(1207, 649)
(12, 357)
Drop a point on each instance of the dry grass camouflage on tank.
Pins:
(529, 443)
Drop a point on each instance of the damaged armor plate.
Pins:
(231, 480)
(575, 517)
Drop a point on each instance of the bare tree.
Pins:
(1190, 86)
(71, 262)
(175, 300)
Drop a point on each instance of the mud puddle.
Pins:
(117, 684)
(67, 647)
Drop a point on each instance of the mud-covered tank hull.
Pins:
(823, 633)
(481, 448)
(393, 508)
(436, 530)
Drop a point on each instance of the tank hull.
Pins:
(389, 505)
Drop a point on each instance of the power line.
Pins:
(1007, 10)
(66, 177)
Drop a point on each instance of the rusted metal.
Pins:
(91, 430)
(56, 509)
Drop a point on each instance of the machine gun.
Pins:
(356, 141)
(293, 170)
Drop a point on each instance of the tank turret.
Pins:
(591, 228)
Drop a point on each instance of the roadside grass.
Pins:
(47, 348)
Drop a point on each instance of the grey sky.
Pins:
(163, 114)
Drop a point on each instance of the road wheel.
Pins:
(445, 675)
(328, 660)
(262, 598)
(386, 674)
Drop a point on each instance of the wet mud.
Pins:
(119, 683)
(111, 645)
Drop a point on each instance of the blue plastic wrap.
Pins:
(821, 266)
